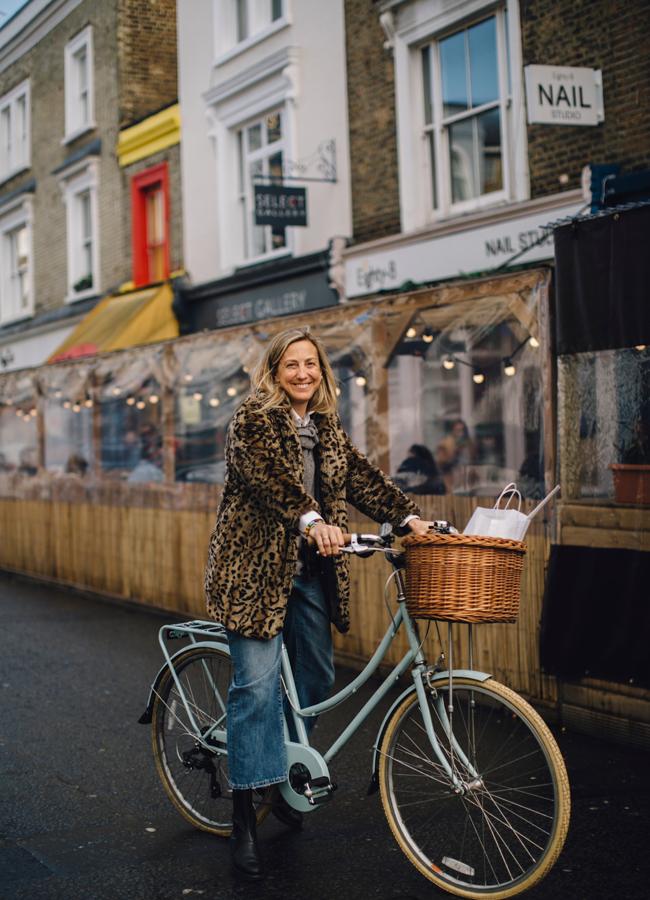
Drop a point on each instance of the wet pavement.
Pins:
(84, 817)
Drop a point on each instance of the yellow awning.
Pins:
(121, 321)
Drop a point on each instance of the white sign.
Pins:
(564, 95)
(451, 255)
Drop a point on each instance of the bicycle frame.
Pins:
(215, 738)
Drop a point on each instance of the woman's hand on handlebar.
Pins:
(419, 526)
(328, 538)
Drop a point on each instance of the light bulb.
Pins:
(640, 347)
(427, 337)
(509, 367)
(67, 404)
(214, 401)
(116, 392)
(57, 394)
(88, 403)
(187, 376)
(197, 395)
(232, 391)
(360, 381)
(532, 340)
(154, 398)
(76, 407)
(337, 391)
(411, 332)
(130, 401)
(478, 377)
(449, 363)
(140, 404)
(32, 411)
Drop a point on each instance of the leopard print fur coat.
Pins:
(253, 551)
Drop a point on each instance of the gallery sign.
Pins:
(276, 204)
(450, 255)
(564, 95)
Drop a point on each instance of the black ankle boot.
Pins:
(244, 851)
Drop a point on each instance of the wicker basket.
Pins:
(463, 578)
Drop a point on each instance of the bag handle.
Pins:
(514, 492)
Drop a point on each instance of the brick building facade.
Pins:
(123, 57)
(608, 35)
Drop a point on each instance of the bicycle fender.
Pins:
(439, 676)
(145, 718)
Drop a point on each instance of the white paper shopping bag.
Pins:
(502, 522)
(505, 522)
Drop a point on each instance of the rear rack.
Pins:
(198, 627)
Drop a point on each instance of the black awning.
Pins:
(603, 282)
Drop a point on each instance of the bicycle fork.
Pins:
(422, 674)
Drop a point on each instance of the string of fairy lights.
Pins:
(449, 361)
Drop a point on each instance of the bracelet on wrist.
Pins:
(311, 525)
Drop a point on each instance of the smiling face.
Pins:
(299, 374)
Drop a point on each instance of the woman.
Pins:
(291, 470)
(418, 473)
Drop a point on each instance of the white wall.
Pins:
(315, 85)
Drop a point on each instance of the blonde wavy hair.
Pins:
(263, 378)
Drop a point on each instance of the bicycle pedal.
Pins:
(318, 790)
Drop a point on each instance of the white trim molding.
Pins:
(78, 121)
(412, 26)
(75, 181)
(14, 216)
(19, 159)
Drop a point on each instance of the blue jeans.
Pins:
(256, 751)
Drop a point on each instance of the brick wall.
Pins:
(44, 66)
(611, 35)
(371, 111)
(147, 58)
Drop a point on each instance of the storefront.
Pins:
(116, 462)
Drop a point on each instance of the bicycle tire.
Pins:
(195, 779)
(499, 839)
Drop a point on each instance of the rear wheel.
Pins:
(505, 829)
(196, 776)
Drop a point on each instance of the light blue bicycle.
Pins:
(472, 782)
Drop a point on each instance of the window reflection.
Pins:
(452, 432)
(131, 433)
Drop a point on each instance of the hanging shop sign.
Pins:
(512, 240)
(276, 204)
(564, 95)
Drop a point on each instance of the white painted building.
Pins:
(262, 90)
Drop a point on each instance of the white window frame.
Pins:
(245, 196)
(260, 26)
(76, 181)
(441, 21)
(18, 215)
(16, 161)
(266, 87)
(74, 126)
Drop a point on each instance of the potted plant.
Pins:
(632, 473)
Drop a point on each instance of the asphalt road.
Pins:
(83, 816)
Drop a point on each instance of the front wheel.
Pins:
(194, 775)
(504, 829)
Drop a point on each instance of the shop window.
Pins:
(261, 150)
(465, 390)
(79, 189)
(15, 150)
(604, 425)
(79, 94)
(18, 437)
(131, 429)
(150, 225)
(16, 293)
